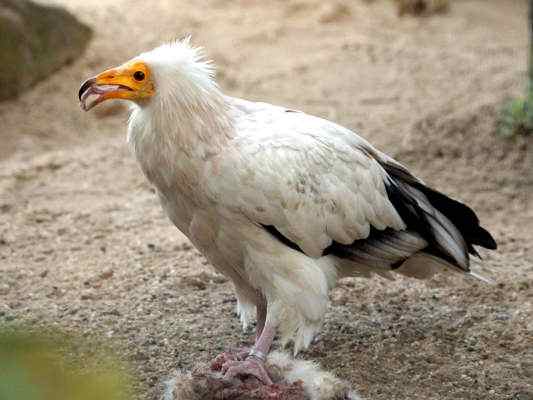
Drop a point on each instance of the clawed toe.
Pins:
(248, 367)
(239, 354)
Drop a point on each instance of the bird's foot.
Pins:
(238, 354)
(250, 366)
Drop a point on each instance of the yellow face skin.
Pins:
(130, 81)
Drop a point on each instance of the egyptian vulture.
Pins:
(281, 202)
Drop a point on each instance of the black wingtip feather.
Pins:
(485, 239)
(462, 216)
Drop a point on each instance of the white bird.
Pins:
(281, 202)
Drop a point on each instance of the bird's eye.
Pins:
(138, 76)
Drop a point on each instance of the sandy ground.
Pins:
(85, 247)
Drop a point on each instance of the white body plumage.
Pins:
(273, 197)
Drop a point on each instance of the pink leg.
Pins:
(254, 364)
(263, 344)
(242, 353)
(261, 310)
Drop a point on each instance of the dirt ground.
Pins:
(85, 247)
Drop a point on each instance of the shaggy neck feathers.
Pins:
(185, 122)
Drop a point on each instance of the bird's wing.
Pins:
(308, 181)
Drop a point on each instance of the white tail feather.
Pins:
(480, 278)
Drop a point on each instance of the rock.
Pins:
(422, 7)
(334, 12)
(35, 40)
(4, 289)
(523, 396)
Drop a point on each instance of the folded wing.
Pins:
(321, 189)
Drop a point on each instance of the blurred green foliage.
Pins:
(516, 118)
(517, 114)
(50, 366)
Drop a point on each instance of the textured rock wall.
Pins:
(35, 40)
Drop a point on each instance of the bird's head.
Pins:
(173, 72)
(130, 81)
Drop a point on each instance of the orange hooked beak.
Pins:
(130, 81)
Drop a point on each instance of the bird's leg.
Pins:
(240, 354)
(263, 344)
(254, 363)
(261, 311)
